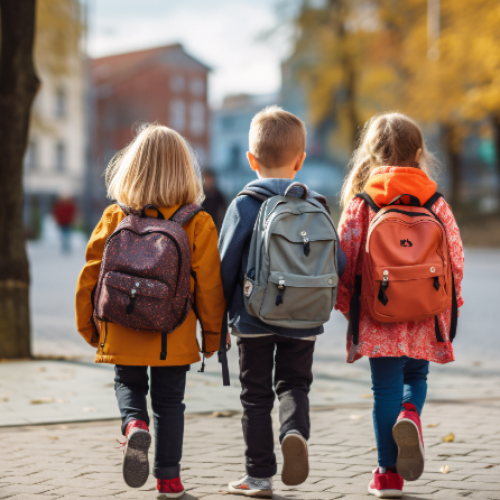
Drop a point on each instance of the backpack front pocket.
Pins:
(138, 303)
(296, 301)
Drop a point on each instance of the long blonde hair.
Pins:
(158, 167)
(388, 139)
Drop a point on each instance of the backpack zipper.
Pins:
(105, 337)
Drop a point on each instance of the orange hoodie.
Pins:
(124, 346)
(385, 183)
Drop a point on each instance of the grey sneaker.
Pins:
(295, 459)
(252, 487)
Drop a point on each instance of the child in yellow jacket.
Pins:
(157, 169)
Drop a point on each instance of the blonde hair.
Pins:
(276, 137)
(388, 139)
(158, 167)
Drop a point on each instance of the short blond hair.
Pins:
(276, 137)
(387, 140)
(158, 168)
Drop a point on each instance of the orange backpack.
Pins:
(407, 274)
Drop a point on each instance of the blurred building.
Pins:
(229, 139)
(55, 160)
(163, 84)
(231, 124)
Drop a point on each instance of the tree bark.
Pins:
(18, 86)
(452, 145)
(495, 122)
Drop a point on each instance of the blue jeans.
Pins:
(168, 384)
(395, 381)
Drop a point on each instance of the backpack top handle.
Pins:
(152, 207)
(405, 199)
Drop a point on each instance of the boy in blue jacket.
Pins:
(277, 153)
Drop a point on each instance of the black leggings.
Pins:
(167, 394)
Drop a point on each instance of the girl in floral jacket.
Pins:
(391, 160)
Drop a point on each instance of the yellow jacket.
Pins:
(124, 346)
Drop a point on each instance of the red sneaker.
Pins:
(387, 485)
(408, 436)
(135, 454)
(169, 488)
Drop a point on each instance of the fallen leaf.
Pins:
(355, 417)
(4, 398)
(445, 469)
(490, 466)
(59, 400)
(89, 409)
(432, 425)
(449, 438)
(476, 363)
(373, 448)
(222, 414)
(42, 369)
(63, 427)
(41, 401)
(366, 396)
(53, 437)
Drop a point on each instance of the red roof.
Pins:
(116, 67)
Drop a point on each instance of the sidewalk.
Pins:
(78, 461)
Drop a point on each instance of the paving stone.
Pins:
(86, 465)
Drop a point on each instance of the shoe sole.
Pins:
(135, 459)
(251, 493)
(295, 460)
(411, 459)
(385, 493)
(162, 496)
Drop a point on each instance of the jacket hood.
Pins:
(385, 183)
(274, 187)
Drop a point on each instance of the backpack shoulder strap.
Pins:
(430, 202)
(253, 194)
(185, 213)
(366, 197)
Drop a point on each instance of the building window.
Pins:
(61, 103)
(177, 83)
(60, 156)
(31, 156)
(234, 155)
(178, 115)
(197, 87)
(197, 118)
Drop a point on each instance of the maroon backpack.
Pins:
(145, 272)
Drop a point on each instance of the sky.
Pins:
(227, 35)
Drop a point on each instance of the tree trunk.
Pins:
(452, 145)
(18, 86)
(495, 122)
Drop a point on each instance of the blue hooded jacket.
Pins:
(234, 246)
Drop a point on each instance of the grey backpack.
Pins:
(291, 277)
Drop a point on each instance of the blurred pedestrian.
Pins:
(136, 307)
(215, 204)
(402, 286)
(64, 211)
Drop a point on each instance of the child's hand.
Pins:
(208, 355)
(228, 340)
(347, 316)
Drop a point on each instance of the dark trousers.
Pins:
(168, 384)
(292, 361)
